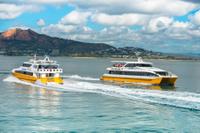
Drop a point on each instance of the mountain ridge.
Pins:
(28, 42)
(16, 41)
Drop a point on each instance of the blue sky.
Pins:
(160, 25)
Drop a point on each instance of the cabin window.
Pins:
(130, 65)
(118, 64)
(26, 65)
(50, 75)
(54, 66)
(144, 65)
(115, 72)
(162, 73)
(25, 72)
(138, 65)
(48, 66)
(133, 73)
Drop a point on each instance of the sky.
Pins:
(159, 25)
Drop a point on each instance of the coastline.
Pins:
(174, 58)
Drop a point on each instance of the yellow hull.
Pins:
(168, 80)
(153, 81)
(57, 80)
(24, 77)
(33, 79)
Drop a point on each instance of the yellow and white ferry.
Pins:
(138, 72)
(43, 71)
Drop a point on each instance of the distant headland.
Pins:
(18, 42)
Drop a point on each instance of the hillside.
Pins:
(28, 42)
(20, 42)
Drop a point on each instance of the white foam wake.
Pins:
(4, 72)
(80, 77)
(177, 99)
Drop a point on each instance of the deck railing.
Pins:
(50, 70)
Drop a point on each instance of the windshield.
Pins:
(138, 65)
(26, 65)
(118, 64)
(48, 66)
(163, 73)
(133, 73)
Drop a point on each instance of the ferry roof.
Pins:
(139, 61)
(132, 62)
(45, 61)
(136, 69)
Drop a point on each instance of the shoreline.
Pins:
(119, 58)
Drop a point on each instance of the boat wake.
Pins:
(4, 72)
(170, 98)
(77, 77)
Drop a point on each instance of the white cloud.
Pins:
(178, 24)
(118, 35)
(117, 18)
(11, 11)
(159, 7)
(75, 17)
(195, 18)
(177, 36)
(124, 19)
(20, 27)
(41, 22)
(179, 31)
(158, 32)
(158, 24)
(71, 24)
(49, 1)
(194, 33)
(64, 31)
(114, 35)
(37, 1)
(56, 29)
(194, 1)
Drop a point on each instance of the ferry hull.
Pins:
(168, 80)
(57, 80)
(33, 79)
(151, 81)
(25, 77)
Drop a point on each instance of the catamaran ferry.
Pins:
(138, 72)
(42, 71)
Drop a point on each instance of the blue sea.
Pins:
(86, 104)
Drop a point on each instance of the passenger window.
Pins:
(26, 65)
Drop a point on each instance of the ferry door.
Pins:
(49, 75)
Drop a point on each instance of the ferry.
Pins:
(42, 71)
(138, 72)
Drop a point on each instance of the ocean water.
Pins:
(86, 104)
